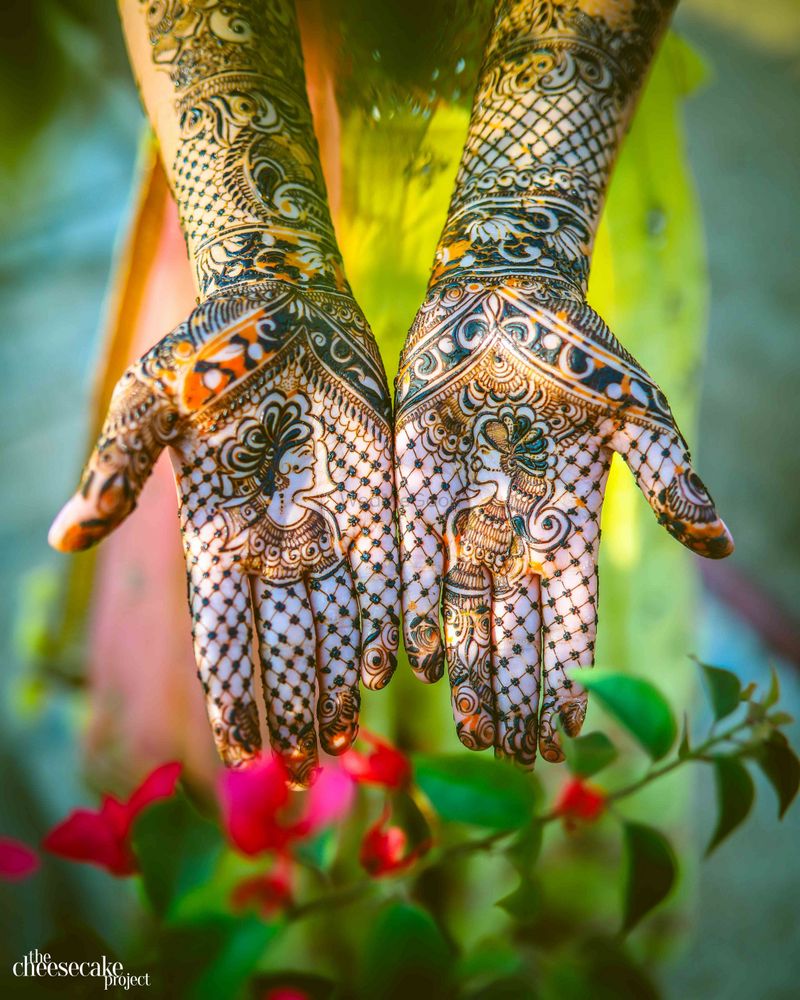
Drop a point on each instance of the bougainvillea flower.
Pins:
(383, 765)
(17, 860)
(384, 848)
(102, 837)
(256, 805)
(579, 802)
(285, 993)
(267, 893)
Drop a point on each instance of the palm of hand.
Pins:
(275, 406)
(508, 414)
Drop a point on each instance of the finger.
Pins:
(287, 651)
(373, 557)
(467, 630)
(516, 642)
(222, 629)
(334, 604)
(569, 629)
(421, 568)
(662, 466)
(139, 423)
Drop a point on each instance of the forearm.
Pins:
(557, 89)
(224, 88)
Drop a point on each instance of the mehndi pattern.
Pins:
(513, 393)
(272, 398)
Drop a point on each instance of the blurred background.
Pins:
(695, 269)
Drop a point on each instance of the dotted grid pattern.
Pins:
(518, 554)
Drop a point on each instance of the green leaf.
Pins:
(177, 850)
(477, 790)
(636, 705)
(523, 904)
(774, 693)
(586, 755)
(735, 794)
(523, 851)
(651, 870)
(213, 957)
(781, 766)
(319, 850)
(780, 719)
(516, 987)
(405, 955)
(724, 690)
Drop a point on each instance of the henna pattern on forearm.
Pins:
(273, 400)
(513, 394)
(558, 85)
(246, 174)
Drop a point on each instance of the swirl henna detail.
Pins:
(284, 476)
(272, 398)
(513, 393)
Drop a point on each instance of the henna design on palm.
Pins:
(274, 405)
(513, 393)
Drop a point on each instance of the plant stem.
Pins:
(694, 755)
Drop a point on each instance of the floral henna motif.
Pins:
(272, 397)
(513, 394)
(280, 440)
(246, 175)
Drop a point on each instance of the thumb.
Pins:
(661, 464)
(140, 421)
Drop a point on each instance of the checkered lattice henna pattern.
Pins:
(513, 393)
(274, 405)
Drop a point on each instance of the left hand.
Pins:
(508, 411)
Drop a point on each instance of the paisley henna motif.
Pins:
(513, 393)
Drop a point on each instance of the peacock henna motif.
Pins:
(513, 394)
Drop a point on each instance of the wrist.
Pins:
(541, 236)
(249, 254)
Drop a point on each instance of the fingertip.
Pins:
(378, 665)
(425, 648)
(567, 717)
(711, 541)
(76, 526)
(429, 671)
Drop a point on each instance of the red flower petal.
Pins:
(580, 801)
(251, 798)
(383, 849)
(159, 784)
(91, 837)
(267, 893)
(385, 765)
(17, 860)
(329, 799)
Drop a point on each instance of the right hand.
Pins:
(275, 406)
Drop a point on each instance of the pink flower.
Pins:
(579, 802)
(103, 837)
(256, 801)
(268, 893)
(285, 993)
(384, 765)
(384, 848)
(17, 860)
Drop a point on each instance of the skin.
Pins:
(271, 396)
(513, 394)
